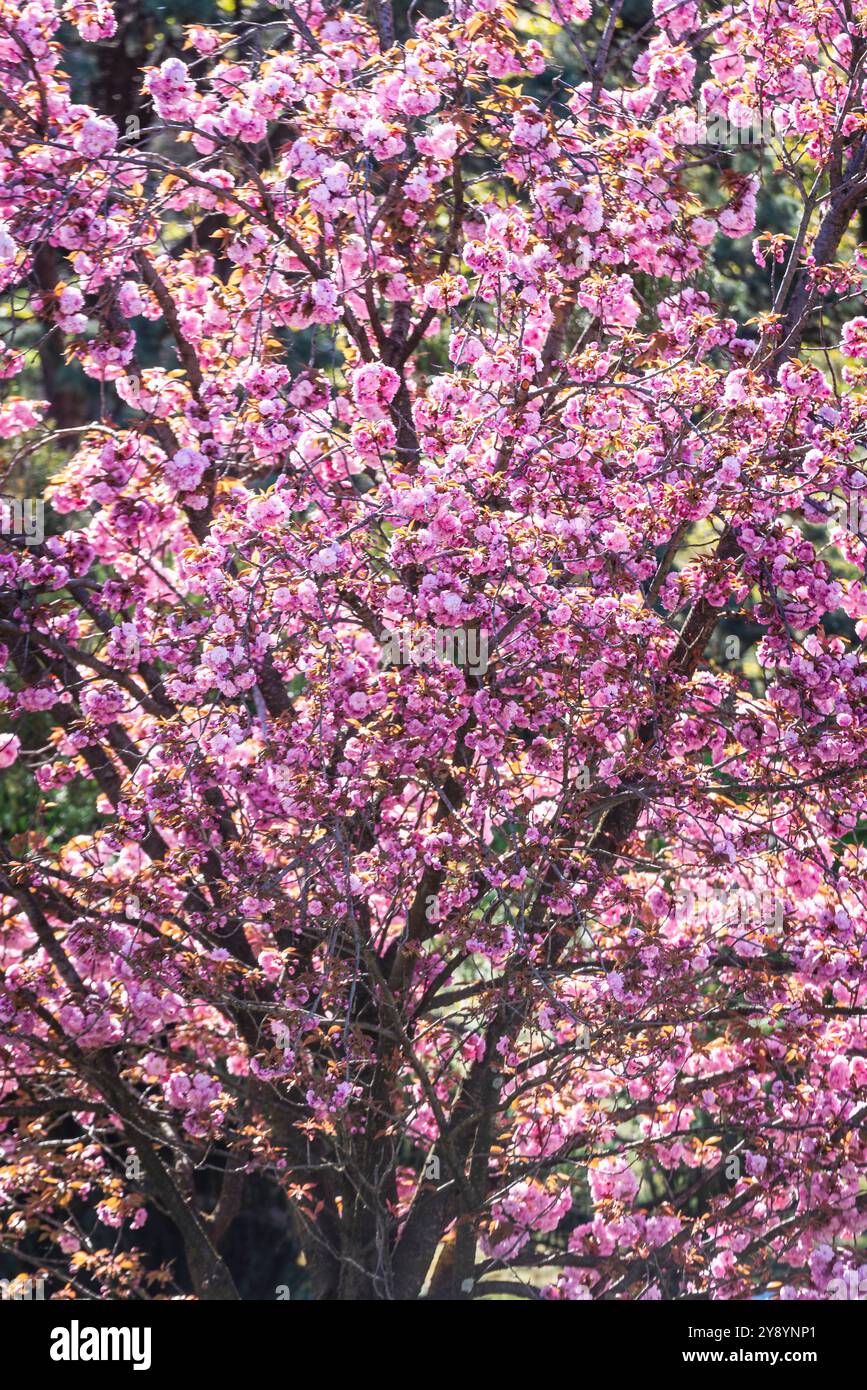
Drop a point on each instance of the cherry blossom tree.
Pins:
(542, 974)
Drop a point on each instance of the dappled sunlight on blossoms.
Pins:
(434, 704)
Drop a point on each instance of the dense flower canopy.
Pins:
(541, 973)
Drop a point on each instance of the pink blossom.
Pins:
(374, 387)
(613, 1179)
(96, 137)
(10, 746)
(185, 469)
(853, 338)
